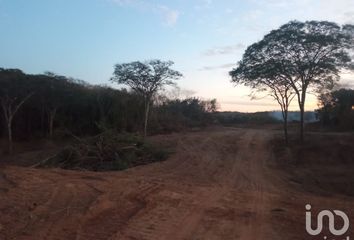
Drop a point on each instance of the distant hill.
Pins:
(245, 118)
(262, 117)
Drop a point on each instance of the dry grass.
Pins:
(324, 164)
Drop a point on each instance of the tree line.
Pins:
(286, 64)
(45, 105)
(337, 109)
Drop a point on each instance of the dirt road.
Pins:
(219, 185)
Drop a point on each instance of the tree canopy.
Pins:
(337, 109)
(146, 79)
(51, 105)
(302, 55)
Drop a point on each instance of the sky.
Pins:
(84, 39)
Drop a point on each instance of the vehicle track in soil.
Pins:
(218, 185)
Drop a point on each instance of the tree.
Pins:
(211, 106)
(54, 90)
(336, 108)
(146, 78)
(306, 55)
(248, 73)
(348, 29)
(284, 95)
(12, 97)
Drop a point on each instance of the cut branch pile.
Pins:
(104, 152)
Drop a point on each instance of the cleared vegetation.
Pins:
(224, 183)
(81, 161)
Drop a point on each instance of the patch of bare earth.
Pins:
(222, 184)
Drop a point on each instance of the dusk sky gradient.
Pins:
(205, 38)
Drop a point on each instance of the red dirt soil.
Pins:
(220, 184)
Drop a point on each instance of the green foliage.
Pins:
(337, 109)
(176, 115)
(76, 107)
(155, 152)
(146, 79)
(299, 55)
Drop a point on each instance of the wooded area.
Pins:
(49, 105)
(337, 109)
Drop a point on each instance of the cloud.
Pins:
(346, 80)
(230, 49)
(223, 66)
(169, 16)
(340, 11)
(348, 17)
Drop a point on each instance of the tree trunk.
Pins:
(146, 117)
(43, 122)
(9, 131)
(286, 127)
(302, 122)
(9, 113)
(51, 121)
(302, 112)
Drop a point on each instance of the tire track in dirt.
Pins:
(217, 185)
